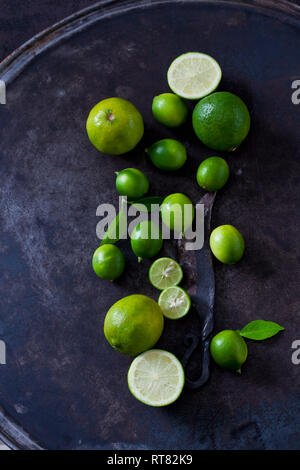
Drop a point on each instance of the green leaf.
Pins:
(116, 229)
(260, 329)
(147, 202)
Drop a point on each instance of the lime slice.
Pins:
(174, 302)
(165, 272)
(156, 378)
(194, 75)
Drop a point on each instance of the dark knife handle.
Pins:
(201, 288)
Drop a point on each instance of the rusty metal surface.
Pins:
(62, 382)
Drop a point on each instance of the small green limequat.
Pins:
(227, 244)
(167, 154)
(229, 350)
(213, 173)
(108, 262)
(169, 109)
(177, 212)
(132, 183)
(146, 240)
(174, 302)
(165, 272)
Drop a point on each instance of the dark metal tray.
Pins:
(62, 384)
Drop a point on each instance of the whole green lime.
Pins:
(146, 239)
(115, 126)
(221, 121)
(177, 212)
(229, 350)
(133, 324)
(212, 173)
(227, 244)
(132, 183)
(108, 262)
(167, 154)
(169, 109)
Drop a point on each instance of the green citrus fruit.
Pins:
(146, 240)
(133, 324)
(227, 244)
(165, 272)
(194, 75)
(169, 109)
(156, 378)
(115, 126)
(221, 121)
(212, 173)
(132, 183)
(174, 302)
(108, 262)
(177, 212)
(229, 350)
(167, 154)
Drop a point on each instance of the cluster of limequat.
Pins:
(134, 324)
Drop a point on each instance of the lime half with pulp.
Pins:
(156, 378)
(194, 75)
(174, 302)
(165, 272)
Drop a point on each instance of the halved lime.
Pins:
(194, 75)
(165, 272)
(156, 378)
(174, 302)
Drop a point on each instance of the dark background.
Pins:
(20, 20)
(269, 370)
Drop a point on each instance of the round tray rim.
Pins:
(15, 62)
